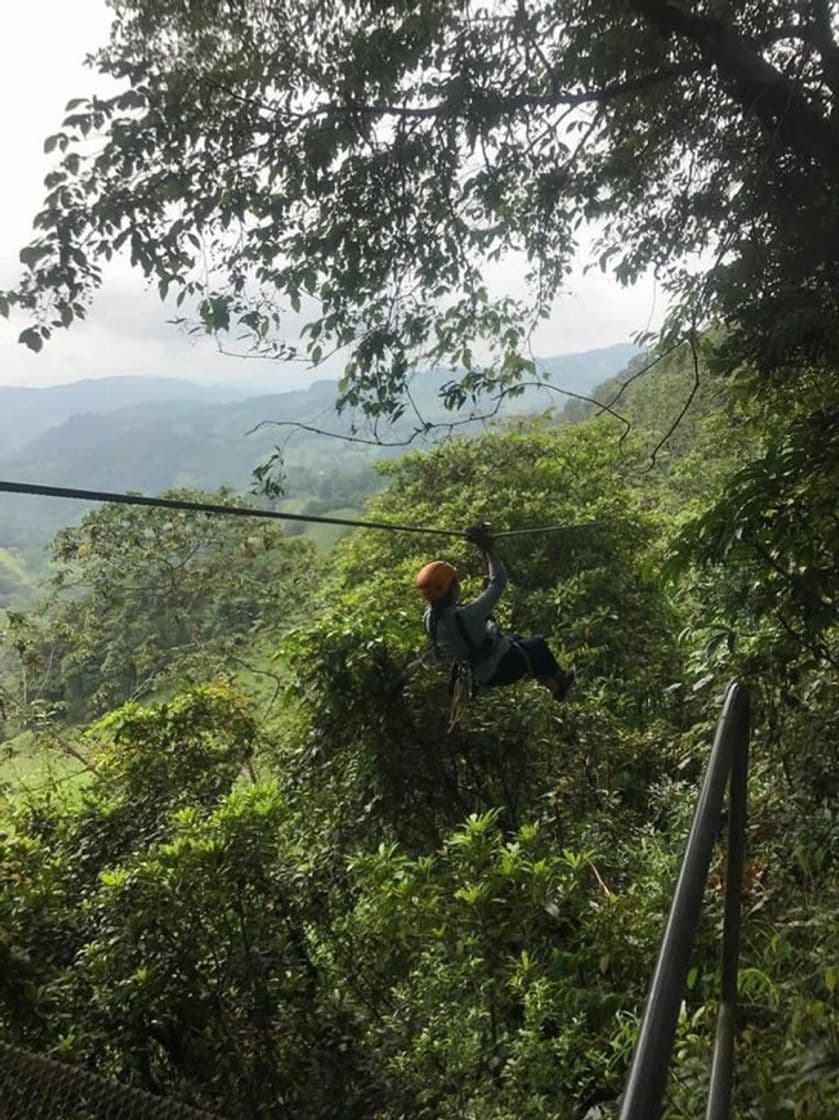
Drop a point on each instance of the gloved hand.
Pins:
(481, 536)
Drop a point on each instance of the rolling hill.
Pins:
(149, 434)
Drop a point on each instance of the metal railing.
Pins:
(647, 1079)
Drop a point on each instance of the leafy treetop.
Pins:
(362, 162)
(141, 596)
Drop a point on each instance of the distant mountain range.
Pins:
(25, 412)
(149, 434)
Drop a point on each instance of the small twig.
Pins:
(577, 397)
(299, 426)
(449, 426)
(818, 649)
(253, 102)
(300, 359)
(533, 41)
(506, 104)
(694, 390)
(51, 782)
(422, 420)
(252, 668)
(641, 372)
(598, 877)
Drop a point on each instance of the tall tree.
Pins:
(143, 596)
(363, 161)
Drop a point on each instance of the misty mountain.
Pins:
(25, 412)
(582, 372)
(149, 434)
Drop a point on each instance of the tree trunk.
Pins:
(754, 83)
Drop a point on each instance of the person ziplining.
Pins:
(469, 635)
(481, 653)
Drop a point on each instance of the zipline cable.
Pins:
(40, 490)
(208, 507)
(545, 529)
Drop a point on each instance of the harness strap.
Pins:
(431, 630)
(475, 654)
(462, 689)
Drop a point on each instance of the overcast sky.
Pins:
(42, 49)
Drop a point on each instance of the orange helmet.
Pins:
(435, 579)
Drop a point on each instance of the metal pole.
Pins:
(722, 1068)
(648, 1073)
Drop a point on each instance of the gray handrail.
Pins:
(647, 1079)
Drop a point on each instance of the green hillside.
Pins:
(275, 843)
(26, 413)
(15, 580)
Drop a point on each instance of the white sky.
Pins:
(42, 49)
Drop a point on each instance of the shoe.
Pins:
(566, 680)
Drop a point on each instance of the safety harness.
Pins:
(463, 686)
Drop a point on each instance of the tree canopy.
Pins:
(329, 907)
(361, 163)
(140, 595)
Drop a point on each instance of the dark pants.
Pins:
(526, 657)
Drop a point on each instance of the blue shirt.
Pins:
(482, 631)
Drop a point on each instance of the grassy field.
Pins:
(324, 536)
(29, 767)
(327, 536)
(26, 766)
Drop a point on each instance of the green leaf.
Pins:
(31, 337)
(31, 254)
(220, 315)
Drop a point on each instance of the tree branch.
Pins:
(347, 437)
(694, 390)
(428, 426)
(825, 44)
(640, 373)
(758, 87)
(577, 397)
(490, 99)
(818, 649)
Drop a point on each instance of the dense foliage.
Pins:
(338, 909)
(141, 597)
(327, 906)
(360, 163)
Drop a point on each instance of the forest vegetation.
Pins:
(271, 884)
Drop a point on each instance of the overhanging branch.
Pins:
(490, 100)
(426, 427)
